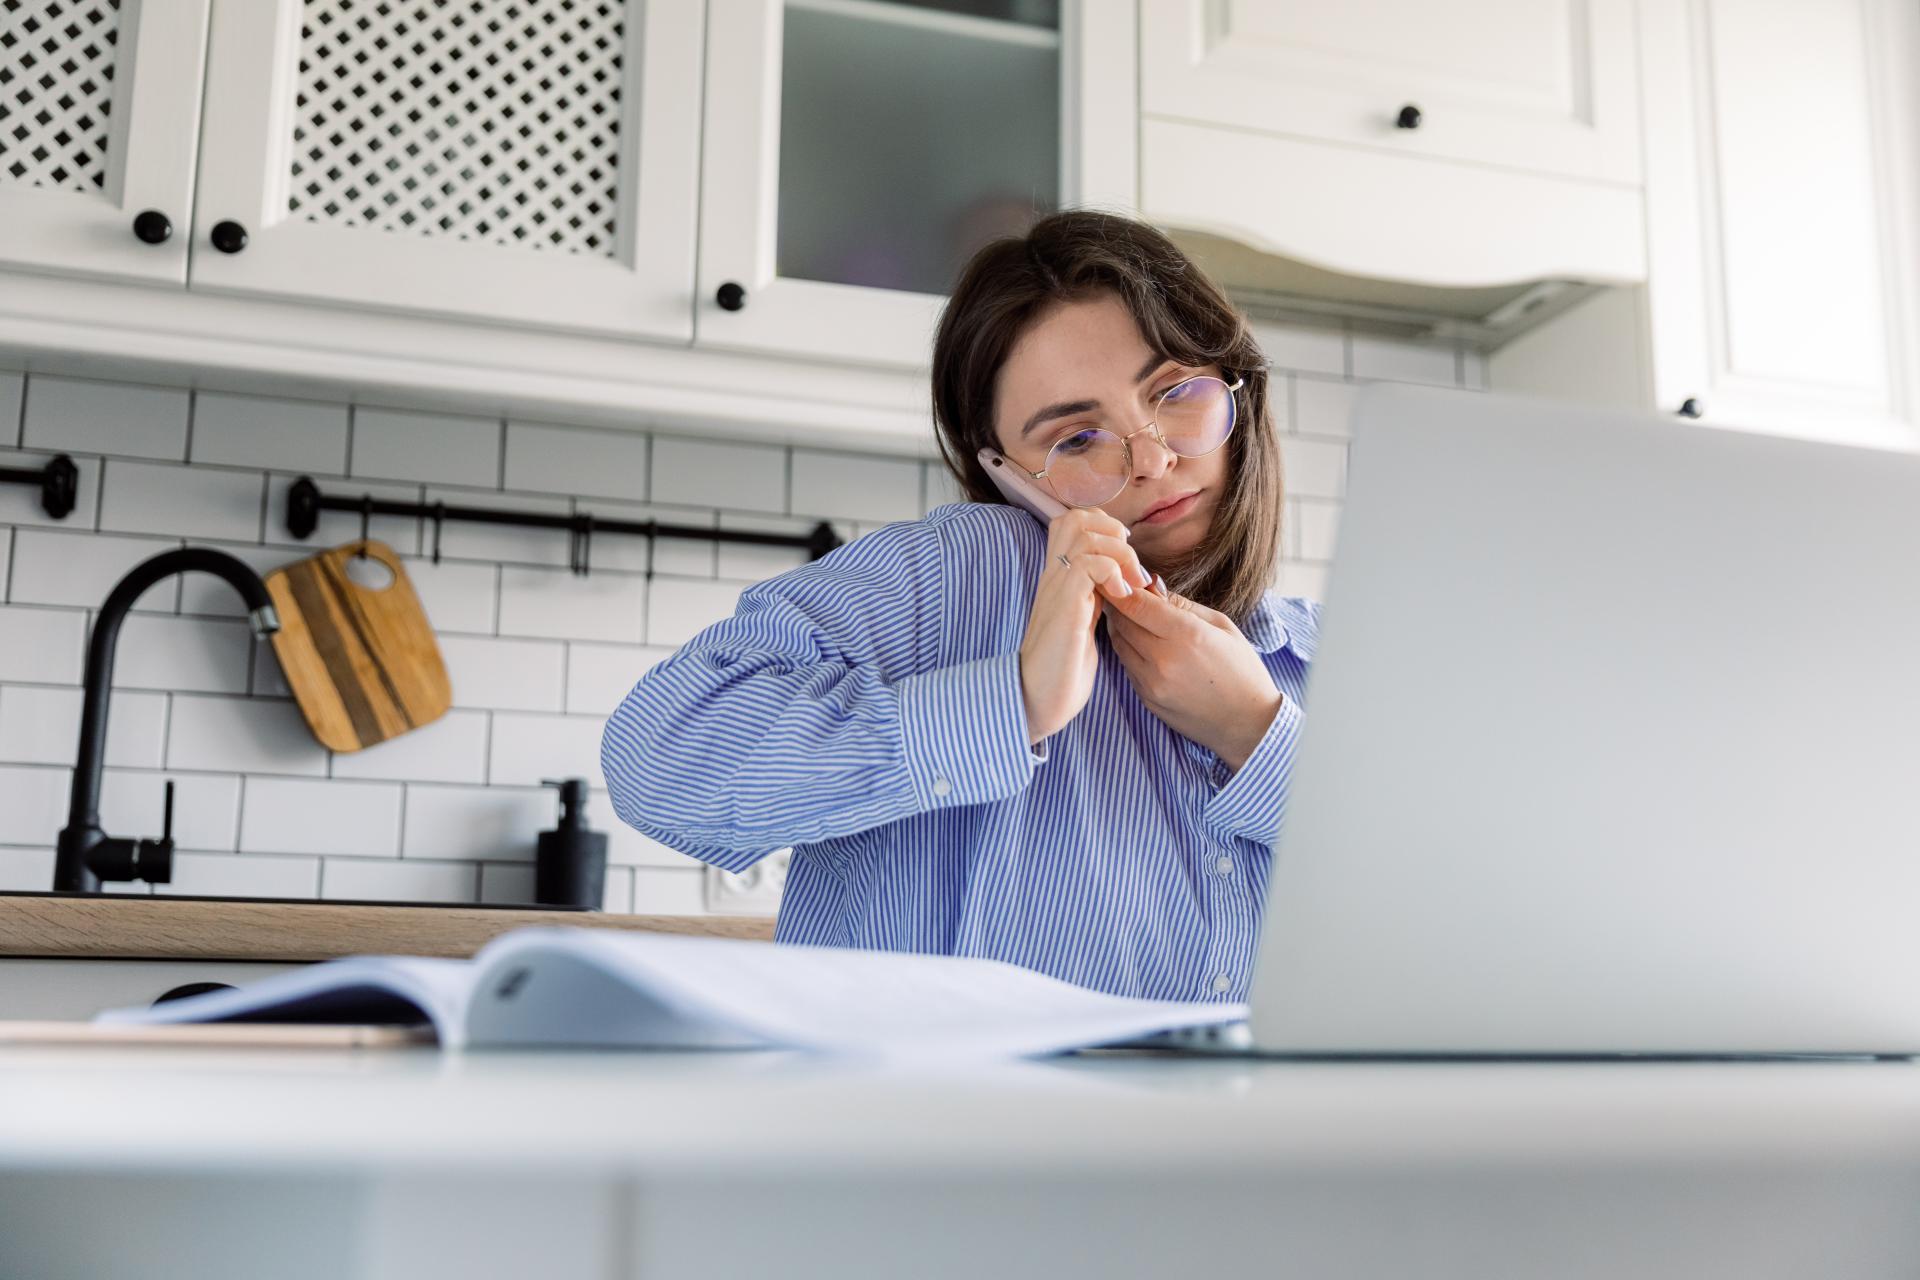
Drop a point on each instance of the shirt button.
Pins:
(1224, 866)
(1221, 982)
(941, 786)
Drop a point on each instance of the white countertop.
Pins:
(1683, 1165)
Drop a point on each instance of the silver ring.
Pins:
(1063, 560)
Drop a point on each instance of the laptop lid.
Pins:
(1611, 744)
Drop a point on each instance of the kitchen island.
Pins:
(176, 1162)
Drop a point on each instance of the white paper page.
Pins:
(715, 992)
(347, 990)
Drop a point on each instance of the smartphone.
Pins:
(1024, 493)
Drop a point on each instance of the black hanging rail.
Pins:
(58, 480)
(305, 502)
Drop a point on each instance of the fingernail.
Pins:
(1125, 590)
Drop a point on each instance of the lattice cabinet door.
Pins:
(96, 161)
(856, 152)
(527, 162)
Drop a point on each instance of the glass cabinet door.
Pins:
(533, 164)
(96, 161)
(859, 151)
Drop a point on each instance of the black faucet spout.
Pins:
(86, 854)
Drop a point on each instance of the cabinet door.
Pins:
(858, 151)
(532, 164)
(1541, 86)
(1781, 213)
(99, 107)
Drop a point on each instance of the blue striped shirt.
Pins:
(866, 710)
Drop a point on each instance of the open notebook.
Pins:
(599, 988)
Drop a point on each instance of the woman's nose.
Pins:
(1151, 459)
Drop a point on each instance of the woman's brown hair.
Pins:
(1183, 316)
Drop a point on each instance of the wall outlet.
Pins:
(755, 891)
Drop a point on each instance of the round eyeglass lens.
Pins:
(1091, 465)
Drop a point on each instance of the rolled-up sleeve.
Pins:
(1252, 801)
(820, 709)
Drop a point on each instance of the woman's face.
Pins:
(1085, 364)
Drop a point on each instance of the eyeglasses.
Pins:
(1191, 419)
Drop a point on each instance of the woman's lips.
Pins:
(1167, 515)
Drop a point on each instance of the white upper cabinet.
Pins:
(533, 164)
(1781, 210)
(858, 151)
(100, 113)
(1454, 144)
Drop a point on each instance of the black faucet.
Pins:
(87, 855)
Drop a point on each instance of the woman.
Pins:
(962, 757)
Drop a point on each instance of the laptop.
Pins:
(1611, 747)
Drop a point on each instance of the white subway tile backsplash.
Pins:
(1315, 468)
(688, 557)
(336, 528)
(26, 870)
(505, 674)
(938, 486)
(474, 540)
(1319, 523)
(33, 804)
(206, 807)
(599, 676)
(450, 749)
(530, 748)
(254, 431)
(401, 880)
(240, 735)
(506, 883)
(678, 609)
(577, 461)
(197, 655)
(70, 415)
(456, 596)
(1300, 349)
(20, 503)
(1323, 408)
(45, 646)
(192, 502)
(442, 448)
(714, 473)
(252, 875)
(660, 891)
(321, 816)
(855, 486)
(1298, 579)
(481, 823)
(57, 567)
(13, 391)
(555, 604)
(1396, 360)
(41, 725)
(746, 561)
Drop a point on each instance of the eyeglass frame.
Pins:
(1153, 425)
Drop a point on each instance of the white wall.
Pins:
(537, 656)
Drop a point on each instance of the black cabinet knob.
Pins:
(1409, 117)
(153, 226)
(229, 237)
(730, 296)
(1692, 408)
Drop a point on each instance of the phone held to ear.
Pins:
(1022, 492)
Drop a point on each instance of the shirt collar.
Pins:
(1279, 621)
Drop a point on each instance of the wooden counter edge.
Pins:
(170, 929)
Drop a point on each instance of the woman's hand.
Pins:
(1194, 670)
(1057, 654)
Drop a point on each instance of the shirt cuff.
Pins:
(1251, 802)
(965, 732)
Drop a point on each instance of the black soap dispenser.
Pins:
(570, 862)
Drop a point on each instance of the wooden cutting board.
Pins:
(362, 663)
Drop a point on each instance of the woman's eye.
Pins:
(1076, 442)
(1180, 391)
